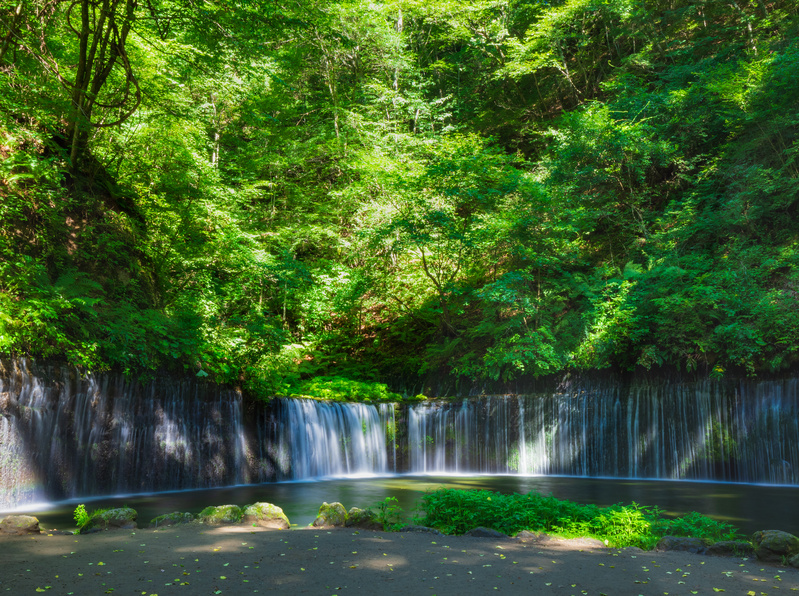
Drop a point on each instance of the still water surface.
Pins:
(749, 507)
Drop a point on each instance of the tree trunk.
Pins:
(101, 46)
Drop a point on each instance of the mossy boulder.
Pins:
(331, 515)
(266, 515)
(172, 519)
(19, 524)
(775, 545)
(365, 519)
(121, 518)
(221, 515)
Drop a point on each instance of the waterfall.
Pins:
(317, 439)
(69, 435)
(76, 435)
(66, 435)
(748, 432)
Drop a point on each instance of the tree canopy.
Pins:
(261, 193)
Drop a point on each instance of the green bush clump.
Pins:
(81, 516)
(341, 389)
(389, 513)
(696, 524)
(457, 511)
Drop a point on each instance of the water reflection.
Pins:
(750, 507)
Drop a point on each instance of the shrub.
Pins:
(81, 515)
(457, 511)
(342, 389)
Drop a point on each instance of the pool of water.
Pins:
(749, 507)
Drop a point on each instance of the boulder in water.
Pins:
(221, 515)
(365, 519)
(171, 519)
(794, 561)
(266, 515)
(331, 515)
(19, 524)
(775, 545)
(121, 518)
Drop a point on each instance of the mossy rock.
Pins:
(331, 515)
(362, 518)
(221, 515)
(172, 519)
(266, 515)
(775, 545)
(121, 518)
(19, 524)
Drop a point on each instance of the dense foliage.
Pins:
(457, 511)
(261, 193)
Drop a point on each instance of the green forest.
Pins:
(271, 193)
